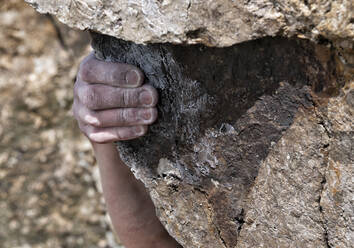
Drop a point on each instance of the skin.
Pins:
(112, 104)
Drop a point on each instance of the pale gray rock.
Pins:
(284, 208)
(304, 190)
(210, 22)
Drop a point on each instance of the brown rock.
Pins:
(241, 162)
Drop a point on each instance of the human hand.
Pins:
(110, 102)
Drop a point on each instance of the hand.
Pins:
(110, 102)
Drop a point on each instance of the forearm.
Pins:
(112, 104)
(129, 205)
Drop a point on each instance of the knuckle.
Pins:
(126, 97)
(131, 116)
(92, 133)
(89, 97)
(85, 70)
(123, 116)
(83, 115)
(92, 118)
(134, 114)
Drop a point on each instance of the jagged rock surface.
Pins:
(254, 142)
(213, 23)
(250, 141)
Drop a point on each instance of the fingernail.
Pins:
(145, 114)
(138, 130)
(145, 97)
(132, 77)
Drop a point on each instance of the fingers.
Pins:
(113, 124)
(110, 103)
(95, 71)
(111, 134)
(98, 97)
(120, 117)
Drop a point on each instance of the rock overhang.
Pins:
(213, 23)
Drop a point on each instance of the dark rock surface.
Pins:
(229, 118)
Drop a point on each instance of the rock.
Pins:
(253, 145)
(210, 22)
(241, 153)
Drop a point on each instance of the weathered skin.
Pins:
(110, 101)
(111, 104)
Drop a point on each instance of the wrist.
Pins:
(103, 146)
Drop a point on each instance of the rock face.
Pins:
(254, 142)
(253, 146)
(213, 23)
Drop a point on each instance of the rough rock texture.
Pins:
(214, 23)
(254, 142)
(241, 155)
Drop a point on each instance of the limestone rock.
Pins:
(210, 22)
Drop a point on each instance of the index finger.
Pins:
(96, 71)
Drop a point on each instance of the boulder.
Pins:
(253, 145)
